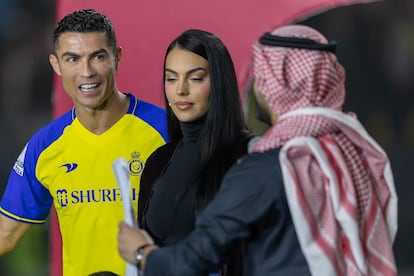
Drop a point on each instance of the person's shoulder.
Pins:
(153, 115)
(260, 169)
(138, 105)
(142, 103)
(56, 126)
(260, 161)
(164, 151)
(49, 133)
(156, 162)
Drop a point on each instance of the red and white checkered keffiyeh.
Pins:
(338, 180)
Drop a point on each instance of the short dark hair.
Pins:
(85, 21)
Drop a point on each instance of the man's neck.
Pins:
(100, 120)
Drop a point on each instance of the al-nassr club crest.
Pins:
(135, 164)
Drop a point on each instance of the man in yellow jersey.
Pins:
(68, 163)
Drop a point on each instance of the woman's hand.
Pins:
(130, 239)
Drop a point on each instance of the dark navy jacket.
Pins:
(250, 205)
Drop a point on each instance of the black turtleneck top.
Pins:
(170, 214)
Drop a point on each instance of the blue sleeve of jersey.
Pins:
(25, 199)
(153, 115)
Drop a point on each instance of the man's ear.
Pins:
(118, 55)
(55, 64)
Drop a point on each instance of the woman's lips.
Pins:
(183, 105)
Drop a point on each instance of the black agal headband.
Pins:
(296, 42)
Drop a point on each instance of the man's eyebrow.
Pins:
(69, 54)
(189, 72)
(72, 54)
(100, 51)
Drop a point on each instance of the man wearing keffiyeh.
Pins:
(316, 194)
(337, 179)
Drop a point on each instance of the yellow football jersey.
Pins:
(67, 165)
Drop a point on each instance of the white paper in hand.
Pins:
(120, 168)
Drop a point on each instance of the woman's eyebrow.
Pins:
(189, 72)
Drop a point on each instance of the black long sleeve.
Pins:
(251, 205)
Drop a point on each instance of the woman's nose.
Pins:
(182, 88)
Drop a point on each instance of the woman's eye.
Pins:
(196, 79)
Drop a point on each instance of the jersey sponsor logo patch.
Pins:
(69, 167)
(19, 164)
(62, 197)
(135, 164)
(65, 198)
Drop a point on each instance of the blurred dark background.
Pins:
(25, 105)
(375, 45)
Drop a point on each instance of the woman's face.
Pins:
(187, 84)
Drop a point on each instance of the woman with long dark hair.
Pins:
(207, 133)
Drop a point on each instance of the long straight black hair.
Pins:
(224, 125)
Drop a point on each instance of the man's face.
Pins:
(87, 66)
